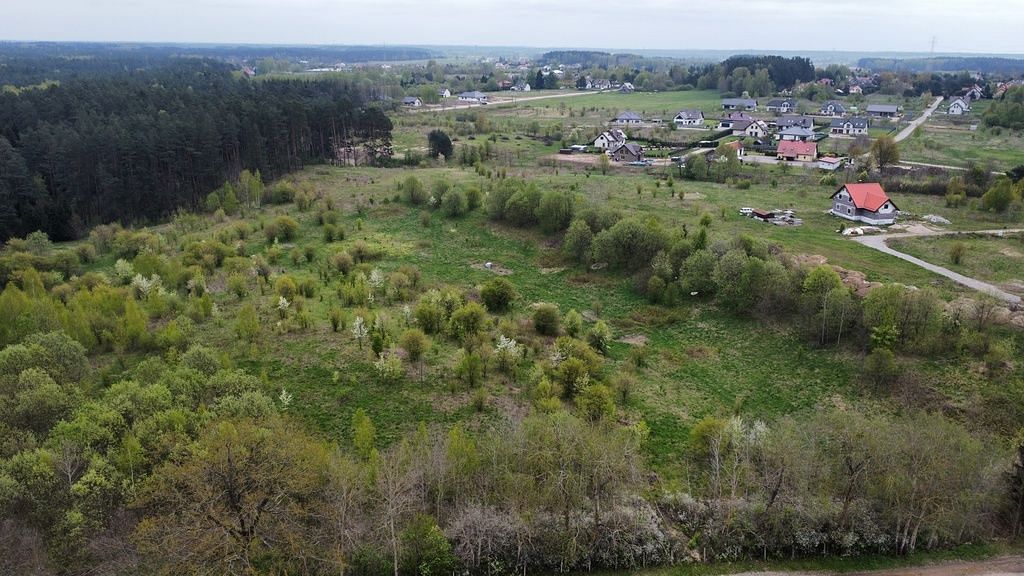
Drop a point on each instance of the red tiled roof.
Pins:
(794, 148)
(868, 196)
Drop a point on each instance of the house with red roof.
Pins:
(796, 150)
(865, 202)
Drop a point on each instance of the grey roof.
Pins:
(836, 105)
(780, 102)
(628, 115)
(473, 94)
(746, 102)
(797, 131)
(787, 121)
(856, 122)
(632, 147)
(410, 100)
(885, 108)
(690, 114)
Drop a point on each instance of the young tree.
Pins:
(439, 144)
(885, 152)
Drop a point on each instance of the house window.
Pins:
(848, 211)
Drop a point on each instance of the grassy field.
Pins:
(700, 361)
(942, 142)
(990, 258)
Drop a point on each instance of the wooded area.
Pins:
(135, 146)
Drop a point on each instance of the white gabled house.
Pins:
(610, 139)
(866, 203)
(689, 118)
(958, 107)
(849, 126)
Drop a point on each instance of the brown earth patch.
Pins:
(495, 268)
(634, 340)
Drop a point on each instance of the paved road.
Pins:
(880, 243)
(906, 132)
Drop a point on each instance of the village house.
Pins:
(626, 88)
(884, 110)
(833, 108)
(689, 118)
(849, 126)
(521, 87)
(413, 101)
(783, 105)
(795, 134)
(627, 152)
(474, 96)
(958, 107)
(739, 104)
(791, 150)
(601, 84)
(830, 163)
(756, 129)
(792, 122)
(974, 93)
(628, 117)
(855, 89)
(866, 203)
(444, 93)
(610, 139)
(727, 122)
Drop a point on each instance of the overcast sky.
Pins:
(855, 25)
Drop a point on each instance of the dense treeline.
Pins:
(981, 64)
(1008, 111)
(135, 146)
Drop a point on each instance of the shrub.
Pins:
(498, 295)
(282, 229)
(342, 262)
(413, 191)
(600, 337)
(596, 402)
(577, 241)
(454, 203)
(286, 287)
(521, 208)
(956, 252)
(573, 323)
(467, 320)
(546, 320)
(555, 210)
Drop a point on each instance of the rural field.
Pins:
(269, 310)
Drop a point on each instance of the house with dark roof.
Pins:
(849, 126)
(627, 88)
(883, 110)
(689, 118)
(832, 108)
(866, 203)
(729, 121)
(974, 93)
(791, 122)
(791, 150)
(739, 104)
(795, 134)
(444, 93)
(627, 152)
(783, 105)
(958, 107)
(413, 101)
(474, 96)
(628, 117)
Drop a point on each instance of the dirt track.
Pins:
(1005, 566)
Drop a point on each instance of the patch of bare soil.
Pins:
(634, 340)
(801, 260)
(701, 352)
(590, 316)
(495, 268)
(546, 271)
(856, 281)
(1010, 252)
